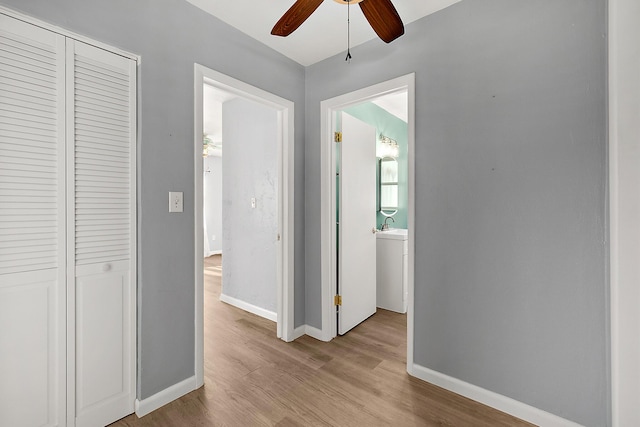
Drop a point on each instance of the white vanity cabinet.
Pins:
(392, 267)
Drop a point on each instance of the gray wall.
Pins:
(170, 35)
(510, 277)
(249, 169)
(212, 201)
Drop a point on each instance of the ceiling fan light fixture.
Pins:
(381, 15)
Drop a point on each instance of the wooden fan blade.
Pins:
(384, 19)
(294, 17)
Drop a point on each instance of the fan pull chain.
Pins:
(348, 58)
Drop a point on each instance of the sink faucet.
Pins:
(385, 226)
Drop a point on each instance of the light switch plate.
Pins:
(175, 201)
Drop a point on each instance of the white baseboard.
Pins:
(213, 253)
(489, 398)
(150, 404)
(259, 311)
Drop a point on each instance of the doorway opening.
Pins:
(276, 201)
(331, 239)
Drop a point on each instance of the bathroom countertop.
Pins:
(393, 233)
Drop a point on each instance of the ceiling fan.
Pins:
(381, 14)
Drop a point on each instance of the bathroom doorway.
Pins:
(329, 213)
(371, 204)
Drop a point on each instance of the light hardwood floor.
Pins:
(359, 379)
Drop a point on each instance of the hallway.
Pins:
(359, 379)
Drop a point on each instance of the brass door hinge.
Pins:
(337, 137)
(337, 300)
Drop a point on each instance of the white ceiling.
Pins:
(322, 35)
(396, 104)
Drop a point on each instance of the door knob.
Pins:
(374, 230)
(106, 267)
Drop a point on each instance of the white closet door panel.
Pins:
(99, 374)
(102, 89)
(26, 382)
(32, 226)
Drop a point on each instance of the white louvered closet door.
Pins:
(101, 218)
(32, 226)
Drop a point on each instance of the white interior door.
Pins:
(101, 219)
(357, 223)
(32, 226)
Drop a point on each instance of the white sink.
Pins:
(393, 233)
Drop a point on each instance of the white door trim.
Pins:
(285, 273)
(328, 201)
(624, 210)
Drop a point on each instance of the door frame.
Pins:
(328, 261)
(624, 207)
(284, 253)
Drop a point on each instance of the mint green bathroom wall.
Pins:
(391, 126)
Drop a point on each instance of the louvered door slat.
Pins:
(24, 106)
(12, 108)
(95, 117)
(12, 243)
(42, 192)
(27, 119)
(26, 46)
(21, 82)
(39, 76)
(100, 69)
(34, 93)
(101, 85)
(102, 151)
(98, 230)
(42, 247)
(25, 243)
(11, 143)
(99, 105)
(42, 230)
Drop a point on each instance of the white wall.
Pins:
(212, 202)
(249, 234)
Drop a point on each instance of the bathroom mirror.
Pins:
(388, 188)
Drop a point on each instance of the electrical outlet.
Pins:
(175, 201)
(213, 237)
(253, 202)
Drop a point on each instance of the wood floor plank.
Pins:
(359, 379)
